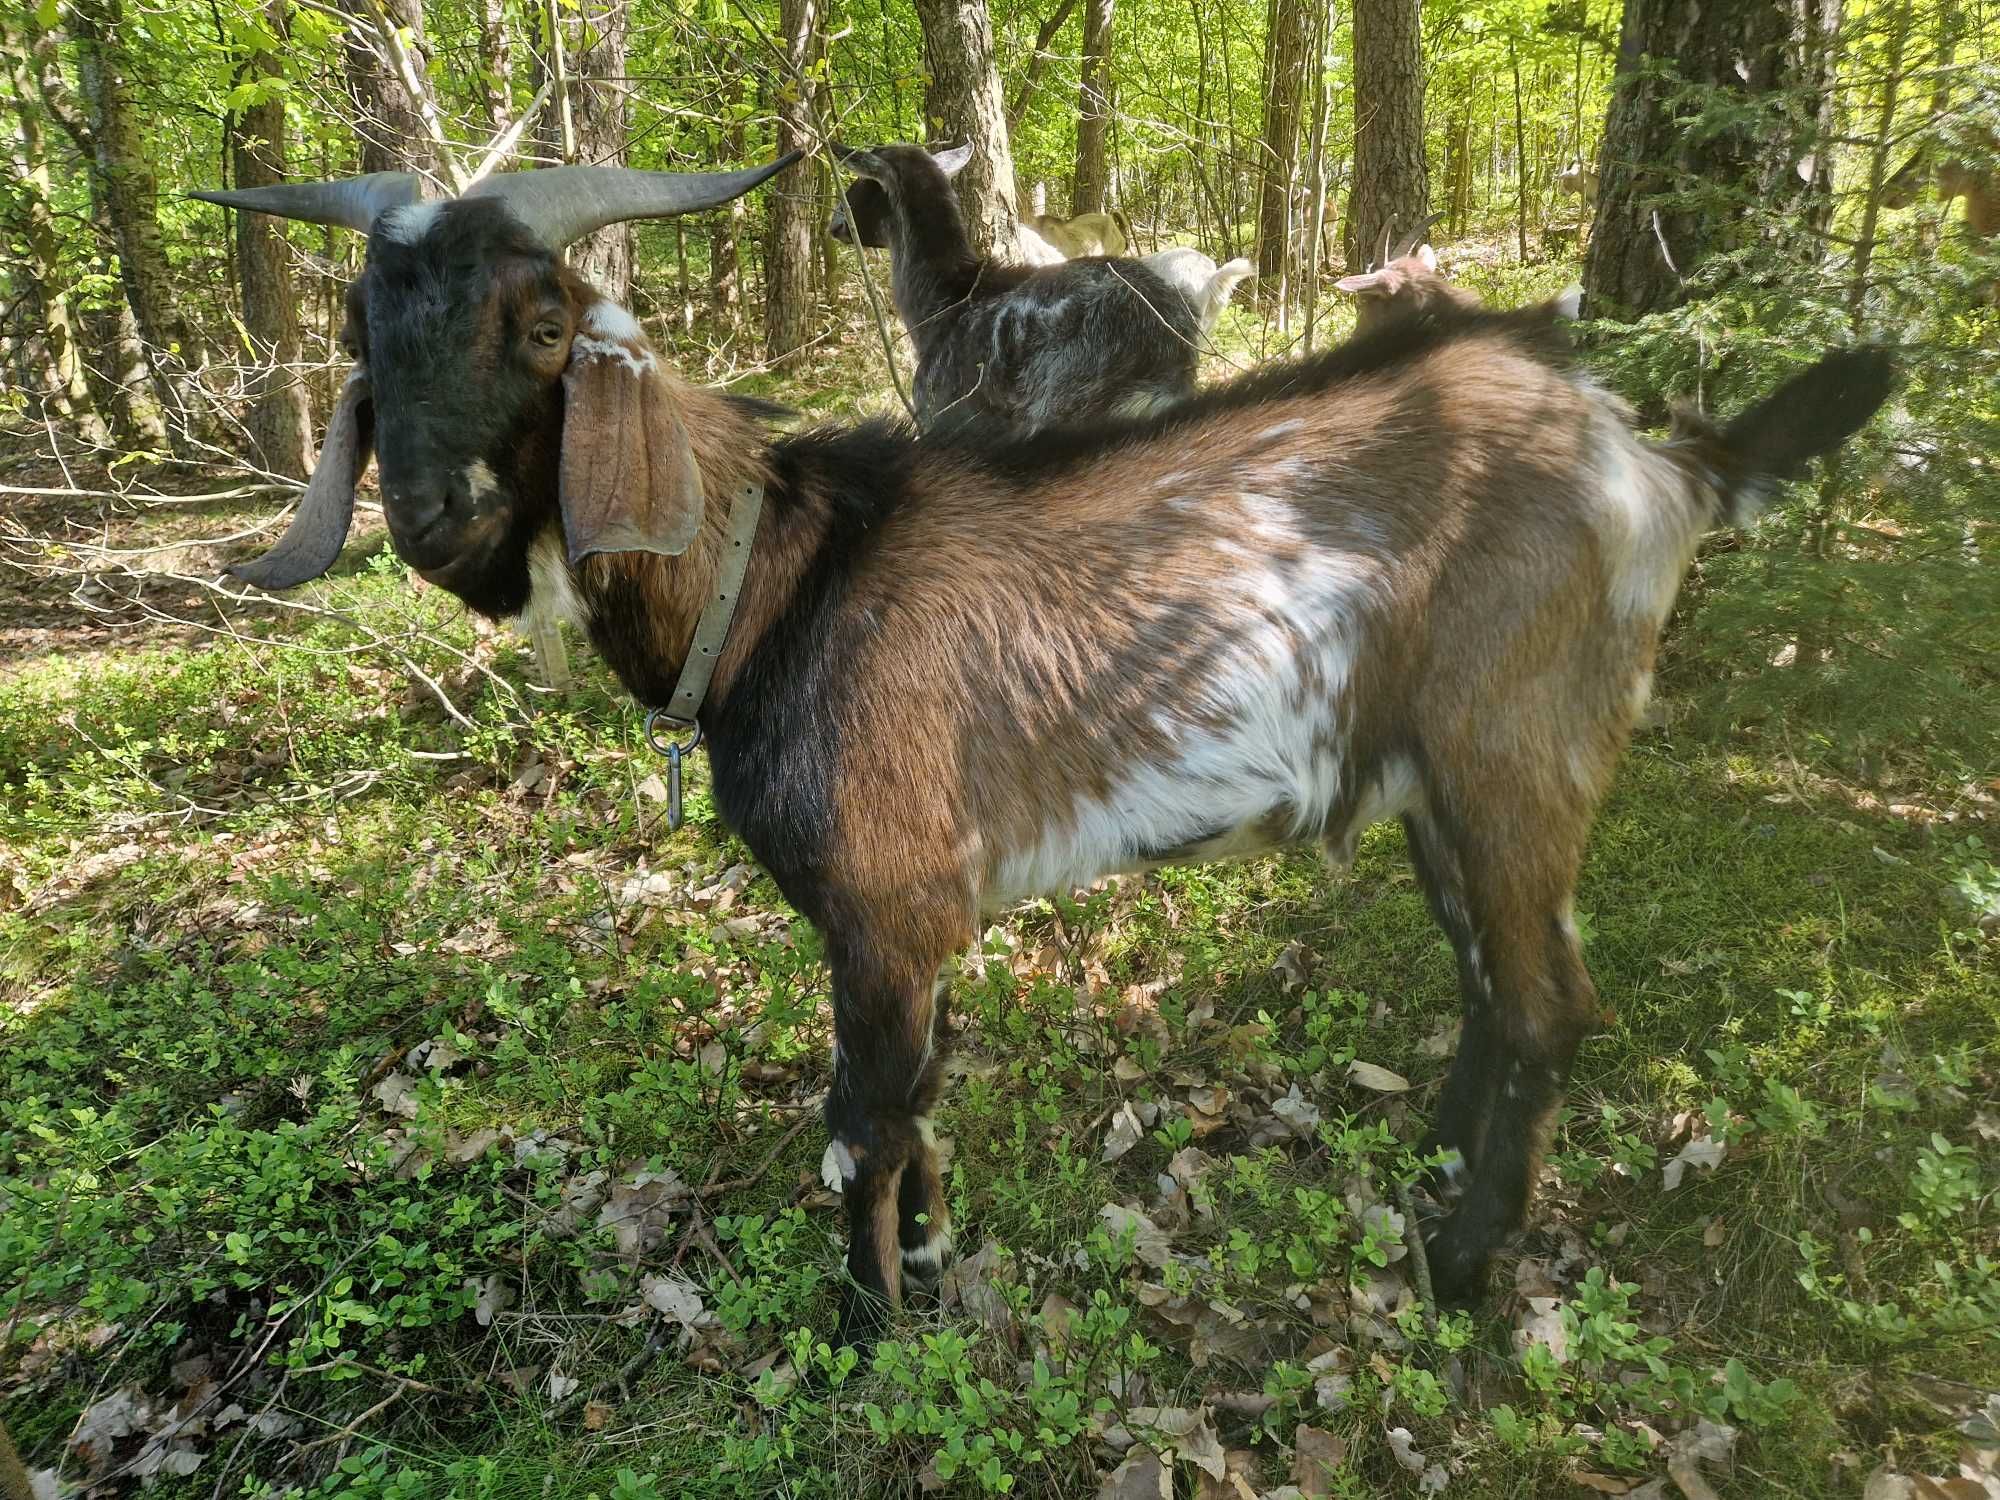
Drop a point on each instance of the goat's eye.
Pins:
(548, 333)
(351, 347)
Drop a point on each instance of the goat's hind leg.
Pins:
(1529, 1004)
(1459, 1125)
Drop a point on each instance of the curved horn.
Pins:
(563, 204)
(319, 529)
(351, 203)
(1410, 241)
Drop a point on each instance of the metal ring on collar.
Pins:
(660, 716)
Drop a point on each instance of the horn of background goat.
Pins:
(1410, 241)
(351, 203)
(319, 529)
(562, 204)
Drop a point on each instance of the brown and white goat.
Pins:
(1422, 575)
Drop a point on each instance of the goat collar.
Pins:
(711, 631)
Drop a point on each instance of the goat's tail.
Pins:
(1810, 414)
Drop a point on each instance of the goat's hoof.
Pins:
(864, 1315)
(1458, 1258)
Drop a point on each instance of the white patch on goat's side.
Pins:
(552, 595)
(1566, 919)
(837, 1167)
(1270, 773)
(1279, 429)
(410, 223)
(479, 480)
(1644, 522)
(931, 1255)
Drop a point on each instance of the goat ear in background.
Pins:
(1384, 282)
(953, 158)
(858, 160)
(319, 528)
(629, 479)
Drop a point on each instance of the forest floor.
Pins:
(389, 1106)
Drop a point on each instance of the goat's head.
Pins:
(498, 386)
(1408, 284)
(910, 172)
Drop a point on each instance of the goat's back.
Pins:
(1074, 343)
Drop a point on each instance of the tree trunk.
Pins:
(1391, 191)
(390, 108)
(962, 103)
(131, 202)
(1287, 46)
(496, 66)
(121, 376)
(1093, 109)
(1659, 211)
(280, 424)
(598, 98)
(788, 258)
(725, 259)
(66, 392)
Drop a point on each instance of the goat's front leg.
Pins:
(886, 1073)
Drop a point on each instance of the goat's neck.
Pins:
(641, 609)
(934, 268)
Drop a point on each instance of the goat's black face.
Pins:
(862, 215)
(464, 323)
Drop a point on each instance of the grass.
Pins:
(389, 1107)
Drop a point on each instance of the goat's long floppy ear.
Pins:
(629, 479)
(319, 529)
(953, 158)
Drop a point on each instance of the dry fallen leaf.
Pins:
(1187, 1435)
(1541, 1322)
(1141, 1477)
(1125, 1133)
(676, 1296)
(1290, 967)
(1381, 1080)
(1702, 1151)
(1297, 1113)
(640, 1208)
(1149, 1241)
(1317, 1456)
(974, 1282)
(1404, 1445)
(1604, 1484)
(496, 1295)
(596, 1415)
(397, 1094)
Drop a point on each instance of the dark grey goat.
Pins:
(1022, 347)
